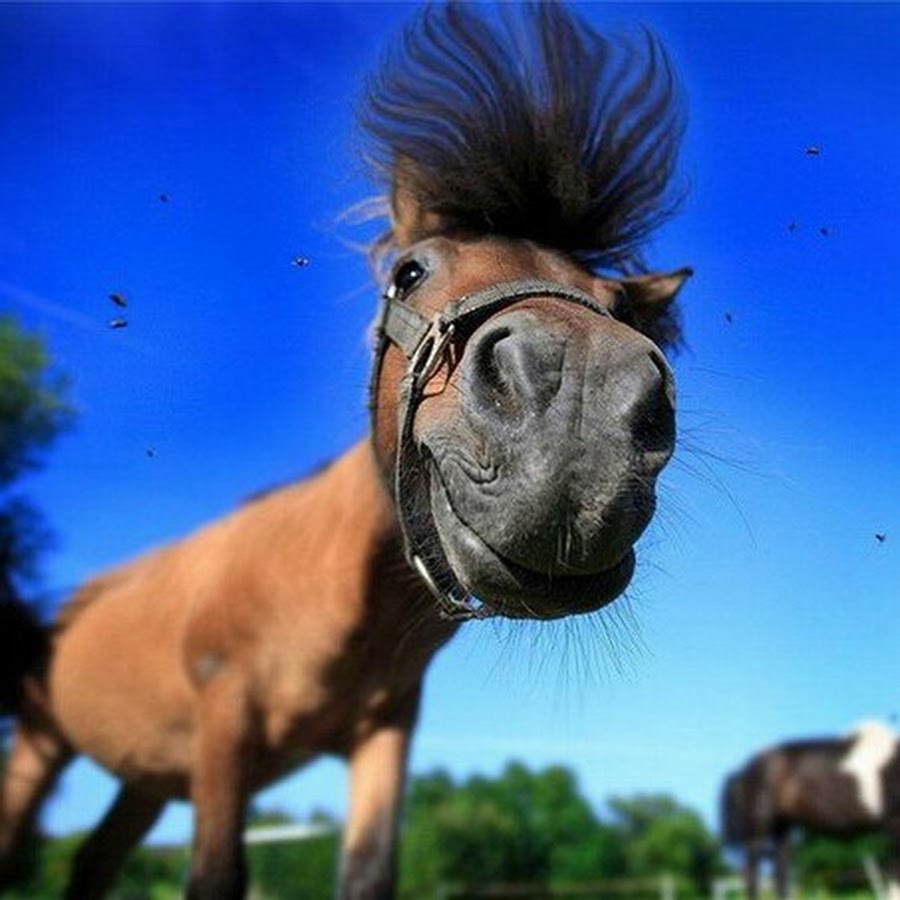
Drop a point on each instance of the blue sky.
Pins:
(763, 607)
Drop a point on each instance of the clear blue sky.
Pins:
(763, 608)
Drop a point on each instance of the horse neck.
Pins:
(358, 538)
(350, 487)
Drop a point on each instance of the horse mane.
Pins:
(529, 125)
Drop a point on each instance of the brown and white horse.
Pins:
(522, 409)
(838, 786)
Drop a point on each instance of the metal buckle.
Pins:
(428, 355)
(451, 607)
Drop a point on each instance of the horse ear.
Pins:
(655, 290)
(646, 302)
(411, 220)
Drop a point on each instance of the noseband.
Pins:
(425, 342)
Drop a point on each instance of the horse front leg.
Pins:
(751, 870)
(219, 790)
(377, 777)
(782, 866)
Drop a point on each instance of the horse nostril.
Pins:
(491, 382)
(513, 368)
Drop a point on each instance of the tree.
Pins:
(833, 864)
(150, 873)
(536, 827)
(34, 410)
(520, 827)
(661, 835)
(305, 869)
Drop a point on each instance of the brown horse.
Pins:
(521, 412)
(838, 786)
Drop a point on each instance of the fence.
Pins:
(661, 888)
(732, 887)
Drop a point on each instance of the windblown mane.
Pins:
(532, 126)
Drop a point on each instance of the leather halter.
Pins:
(425, 342)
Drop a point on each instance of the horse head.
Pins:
(522, 403)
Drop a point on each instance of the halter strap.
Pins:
(425, 341)
(407, 327)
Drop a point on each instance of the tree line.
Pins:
(522, 827)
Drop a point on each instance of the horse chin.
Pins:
(511, 589)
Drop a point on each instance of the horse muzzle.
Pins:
(545, 477)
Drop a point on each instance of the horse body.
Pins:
(841, 787)
(302, 631)
(306, 629)
(522, 410)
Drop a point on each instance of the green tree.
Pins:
(467, 835)
(34, 409)
(575, 844)
(833, 864)
(150, 873)
(660, 835)
(304, 870)
(520, 827)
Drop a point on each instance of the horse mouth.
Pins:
(511, 589)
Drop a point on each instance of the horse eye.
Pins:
(407, 277)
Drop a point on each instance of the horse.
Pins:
(839, 786)
(522, 409)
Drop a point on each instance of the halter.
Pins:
(425, 342)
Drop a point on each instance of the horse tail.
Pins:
(24, 645)
(734, 812)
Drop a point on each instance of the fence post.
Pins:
(876, 879)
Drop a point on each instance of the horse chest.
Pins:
(865, 763)
(319, 700)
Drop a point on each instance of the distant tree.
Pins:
(150, 873)
(825, 863)
(466, 835)
(520, 827)
(34, 409)
(576, 845)
(301, 869)
(47, 868)
(660, 835)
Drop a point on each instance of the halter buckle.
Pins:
(429, 354)
(451, 607)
